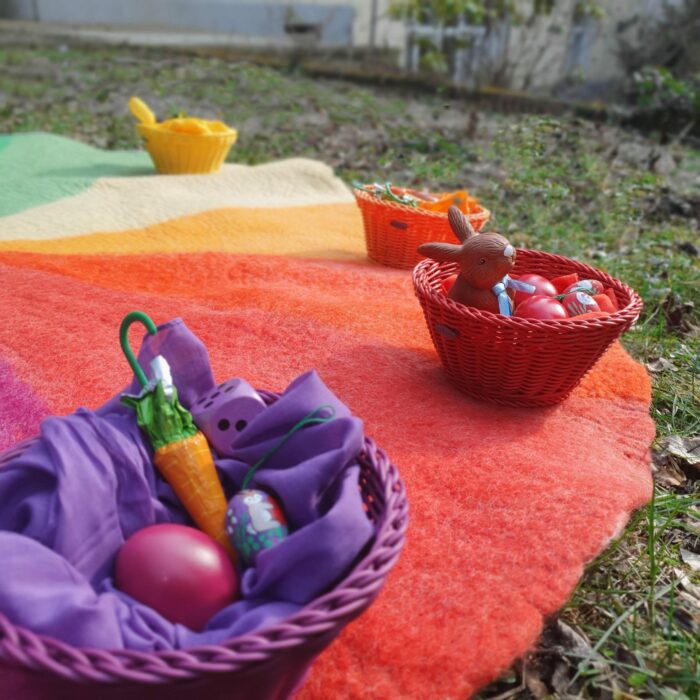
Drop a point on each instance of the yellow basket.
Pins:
(175, 152)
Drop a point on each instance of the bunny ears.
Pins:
(449, 252)
(460, 224)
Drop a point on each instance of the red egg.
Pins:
(542, 285)
(577, 303)
(540, 307)
(178, 571)
(591, 287)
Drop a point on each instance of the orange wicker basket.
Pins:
(393, 231)
(517, 361)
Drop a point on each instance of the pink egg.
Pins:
(178, 571)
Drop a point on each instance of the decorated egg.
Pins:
(590, 287)
(577, 303)
(178, 571)
(254, 522)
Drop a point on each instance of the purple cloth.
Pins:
(71, 500)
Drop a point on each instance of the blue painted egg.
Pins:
(254, 522)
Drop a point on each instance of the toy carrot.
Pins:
(182, 453)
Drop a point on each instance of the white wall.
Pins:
(538, 55)
(389, 33)
(586, 51)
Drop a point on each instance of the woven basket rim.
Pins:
(480, 213)
(626, 314)
(147, 130)
(20, 646)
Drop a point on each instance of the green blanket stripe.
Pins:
(41, 168)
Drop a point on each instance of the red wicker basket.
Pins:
(269, 664)
(517, 361)
(394, 231)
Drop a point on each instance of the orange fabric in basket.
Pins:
(561, 283)
(605, 303)
(506, 505)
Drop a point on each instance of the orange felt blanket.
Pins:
(506, 505)
(267, 266)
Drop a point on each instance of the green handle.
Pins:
(310, 419)
(124, 341)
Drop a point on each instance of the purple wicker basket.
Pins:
(269, 664)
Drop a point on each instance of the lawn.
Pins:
(612, 198)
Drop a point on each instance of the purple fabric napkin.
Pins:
(71, 500)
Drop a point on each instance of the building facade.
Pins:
(543, 52)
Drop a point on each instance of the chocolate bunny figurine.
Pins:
(485, 259)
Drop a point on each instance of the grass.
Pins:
(562, 193)
(556, 184)
(630, 603)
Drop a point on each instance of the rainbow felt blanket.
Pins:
(267, 266)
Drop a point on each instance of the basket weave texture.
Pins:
(178, 153)
(516, 361)
(268, 664)
(394, 231)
